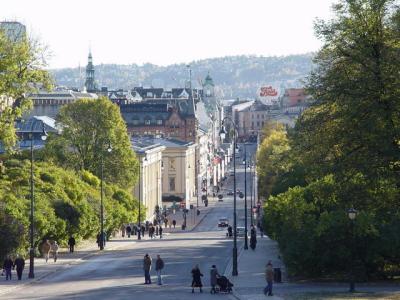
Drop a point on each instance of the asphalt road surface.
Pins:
(118, 274)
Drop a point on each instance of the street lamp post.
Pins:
(251, 193)
(102, 235)
(246, 247)
(352, 213)
(32, 228)
(234, 251)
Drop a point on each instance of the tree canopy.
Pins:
(22, 70)
(343, 152)
(89, 127)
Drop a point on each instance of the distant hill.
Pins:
(234, 76)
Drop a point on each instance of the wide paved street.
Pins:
(118, 274)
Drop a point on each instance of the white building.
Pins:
(149, 188)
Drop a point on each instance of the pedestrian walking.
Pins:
(143, 228)
(157, 230)
(147, 268)
(261, 232)
(159, 267)
(98, 238)
(128, 230)
(253, 241)
(46, 247)
(174, 223)
(213, 278)
(8, 264)
(71, 244)
(54, 250)
(196, 278)
(123, 230)
(269, 277)
(19, 264)
(160, 232)
(134, 230)
(165, 222)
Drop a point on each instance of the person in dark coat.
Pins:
(19, 264)
(160, 230)
(196, 278)
(71, 244)
(174, 223)
(143, 228)
(8, 264)
(253, 241)
(128, 231)
(159, 267)
(213, 278)
(147, 268)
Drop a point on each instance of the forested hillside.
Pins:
(235, 76)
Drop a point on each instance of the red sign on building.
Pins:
(266, 91)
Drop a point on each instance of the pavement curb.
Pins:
(201, 220)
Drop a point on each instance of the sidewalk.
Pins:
(43, 269)
(88, 249)
(192, 220)
(250, 282)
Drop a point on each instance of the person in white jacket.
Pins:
(54, 249)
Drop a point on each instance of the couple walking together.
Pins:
(147, 262)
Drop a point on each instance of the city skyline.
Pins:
(125, 32)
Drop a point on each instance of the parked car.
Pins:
(240, 231)
(223, 222)
(230, 193)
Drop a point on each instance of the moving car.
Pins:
(230, 193)
(223, 222)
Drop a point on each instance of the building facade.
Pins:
(167, 114)
(179, 171)
(149, 187)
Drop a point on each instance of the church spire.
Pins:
(90, 83)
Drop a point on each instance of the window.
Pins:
(147, 122)
(135, 122)
(258, 116)
(258, 124)
(172, 184)
(172, 164)
(159, 122)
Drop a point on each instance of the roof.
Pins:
(67, 94)
(142, 145)
(149, 142)
(35, 124)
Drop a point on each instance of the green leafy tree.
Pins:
(270, 157)
(89, 128)
(22, 70)
(346, 147)
(65, 203)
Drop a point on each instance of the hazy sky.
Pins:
(167, 31)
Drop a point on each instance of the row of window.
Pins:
(51, 101)
(262, 116)
(147, 122)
